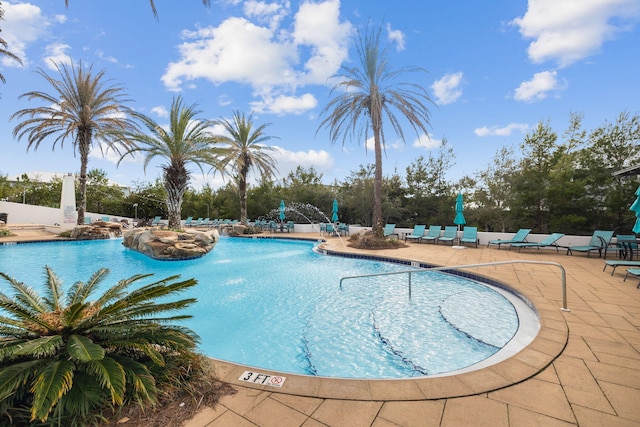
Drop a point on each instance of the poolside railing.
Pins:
(457, 267)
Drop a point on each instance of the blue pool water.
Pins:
(276, 304)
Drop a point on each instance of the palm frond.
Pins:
(40, 347)
(26, 295)
(51, 384)
(15, 375)
(82, 349)
(81, 290)
(111, 375)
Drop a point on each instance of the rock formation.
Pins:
(97, 230)
(171, 245)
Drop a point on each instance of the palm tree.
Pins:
(245, 151)
(66, 357)
(83, 109)
(369, 94)
(3, 47)
(187, 141)
(153, 5)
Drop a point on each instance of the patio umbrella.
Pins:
(334, 211)
(459, 219)
(635, 207)
(282, 208)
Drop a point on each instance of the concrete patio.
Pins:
(582, 369)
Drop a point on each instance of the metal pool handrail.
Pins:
(456, 267)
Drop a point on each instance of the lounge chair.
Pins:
(204, 223)
(188, 221)
(389, 230)
(469, 235)
(519, 237)
(156, 221)
(87, 220)
(105, 219)
(416, 234)
(599, 241)
(450, 234)
(197, 223)
(615, 263)
(633, 272)
(433, 234)
(550, 241)
(624, 246)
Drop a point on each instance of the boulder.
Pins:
(97, 230)
(171, 245)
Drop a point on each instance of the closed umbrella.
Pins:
(459, 219)
(635, 207)
(334, 211)
(282, 209)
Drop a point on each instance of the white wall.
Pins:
(20, 213)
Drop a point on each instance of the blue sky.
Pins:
(495, 69)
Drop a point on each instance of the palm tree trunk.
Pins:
(84, 145)
(242, 189)
(377, 184)
(176, 180)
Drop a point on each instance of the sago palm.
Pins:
(83, 108)
(187, 141)
(369, 94)
(244, 150)
(65, 357)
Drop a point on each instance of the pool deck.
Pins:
(583, 368)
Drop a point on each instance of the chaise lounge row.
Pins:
(435, 234)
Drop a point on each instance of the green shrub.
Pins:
(65, 359)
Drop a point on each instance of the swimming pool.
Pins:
(276, 304)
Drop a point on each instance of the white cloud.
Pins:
(288, 161)
(502, 131)
(396, 36)
(447, 89)
(427, 142)
(285, 104)
(538, 87)
(57, 52)
(23, 24)
(160, 111)
(566, 31)
(272, 59)
(269, 13)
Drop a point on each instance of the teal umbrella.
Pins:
(334, 211)
(635, 207)
(282, 208)
(459, 219)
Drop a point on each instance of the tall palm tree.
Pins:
(187, 141)
(82, 108)
(369, 94)
(66, 357)
(243, 151)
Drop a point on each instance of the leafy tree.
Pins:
(64, 358)
(429, 195)
(245, 150)
(356, 193)
(187, 141)
(369, 94)
(81, 108)
(493, 193)
(611, 147)
(531, 184)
